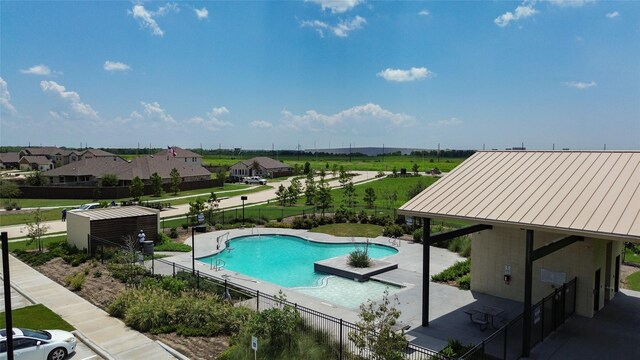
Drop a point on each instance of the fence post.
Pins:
(564, 301)
(174, 269)
(102, 253)
(186, 216)
(504, 350)
(257, 300)
(542, 321)
(340, 339)
(153, 264)
(198, 279)
(89, 243)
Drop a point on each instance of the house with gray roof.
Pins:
(260, 166)
(38, 162)
(182, 155)
(9, 160)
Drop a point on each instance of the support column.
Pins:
(426, 260)
(528, 279)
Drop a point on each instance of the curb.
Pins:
(93, 346)
(172, 351)
(22, 292)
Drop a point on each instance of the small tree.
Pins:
(36, 228)
(375, 337)
(416, 189)
(195, 208)
(343, 178)
(221, 176)
(310, 189)
(176, 180)
(156, 184)
(9, 190)
(255, 166)
(350, 196)
(136, 190)
(109, 180)
(296, 169)
(282, 194)
(323, 196)
(36, 179)
(369, 196)
(394, 171)
(323, 174)
(307, 168)
(334, 169)
(415, 169)
(294, 191)
(390, 198)
(213, 204)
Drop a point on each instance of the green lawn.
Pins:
(26, 245)
(350, 230)
(631, 257)
(37, 317)
(633, 281)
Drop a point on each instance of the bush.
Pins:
(455, 271)
(277, 225)
(173, 246)
(173, 233)
(185, 226)
(359, 258)
(34, 258)
(304, 223)
(455, 349)
(464, 282)
(75, 281)
(460, 245)
(394, 231)
(417, 235)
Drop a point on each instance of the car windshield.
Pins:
(38, 334)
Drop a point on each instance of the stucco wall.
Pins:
(493, 249)
(78, 227)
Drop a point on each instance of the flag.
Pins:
(172, 151)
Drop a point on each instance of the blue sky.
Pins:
(329, 73)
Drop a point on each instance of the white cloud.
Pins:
(146, 18)
(37, 70)
(201, 14)
(115, 66)
(216, 111)
(261, 124)
(446, 122)
(212, 123)
(80, 108)
(342, 29)
(424, 12)
(311, 119)
(337, 6)
(5, 98)
(580, 85)
(612, 15)
(154, 110)
(400, 75)
(525, 10)
(570, 3)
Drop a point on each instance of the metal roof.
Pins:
(116, 212)
(590, 193)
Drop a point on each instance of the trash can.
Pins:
(201, 228)
(147, 247)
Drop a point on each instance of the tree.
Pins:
(307, 168)
(394, 171)
(334, 169)
(221, 176)
(255, 166)
(294, 191)
(323, 196)
(322, 174)
(415, 168)
(416, 189)
(296, 169)
(195, 208)
(390, 198)
(175, 181)
(156, 184)
(350, 195)
(36, 179)
(369, 196)
(36, 228)
(108, 180)
(310, 189)
(9, 190)
(136, 190)
(375, 337)
(282, 194)
(343, 178)
(213, 204)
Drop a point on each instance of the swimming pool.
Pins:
(288, 260)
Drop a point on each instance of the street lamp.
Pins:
(243, 198)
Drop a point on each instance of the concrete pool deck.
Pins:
(447, 302)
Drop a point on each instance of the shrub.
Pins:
(455, 349)
(460, 245)
(75, 281)
(464, 282)
(277, 225)
(173, 246)
(359, 258)
(304, 223)
(173, 233)
(97, 274)
(417, 235)
(34, 258)
(185, 226)
(392, 231)
(455, 271)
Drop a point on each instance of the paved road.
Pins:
(231, 202)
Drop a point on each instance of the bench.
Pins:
(482, 322)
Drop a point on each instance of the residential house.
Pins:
(9, 160)
(38, 162)
(260, 166)
(182, 155)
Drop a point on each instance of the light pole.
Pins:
(243, 198)
(193, 250)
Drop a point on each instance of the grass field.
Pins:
(32, 245)
(633, 281)
(37, 317)
(349, 230)
(630, 256)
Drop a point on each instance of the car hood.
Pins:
(60, 335)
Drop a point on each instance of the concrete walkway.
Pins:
(106, 332)
(17, 231)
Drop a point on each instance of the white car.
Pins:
(88, 206)
(38, 344)
(255, 180)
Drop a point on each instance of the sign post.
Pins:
(254, 346)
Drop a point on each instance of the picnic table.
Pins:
(487, 314)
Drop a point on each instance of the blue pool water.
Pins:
(286, 260)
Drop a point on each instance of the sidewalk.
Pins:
(107, 332)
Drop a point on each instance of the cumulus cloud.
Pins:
(201, 14)
(341, 29)
(424, 12)
(212, 123)
(72, 97)
(5, 98)
(612, 15)
(399, 75)
(115, 66)
(312, 119)
(146, 18)
(217, 111)
(37, 70)
(570, 3)
(580, 85)
(337, 6)
(525, 10)
(446, 122)
(261, 124)
(155, 111)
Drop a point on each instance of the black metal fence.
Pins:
(331, 331)
(547, 315)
